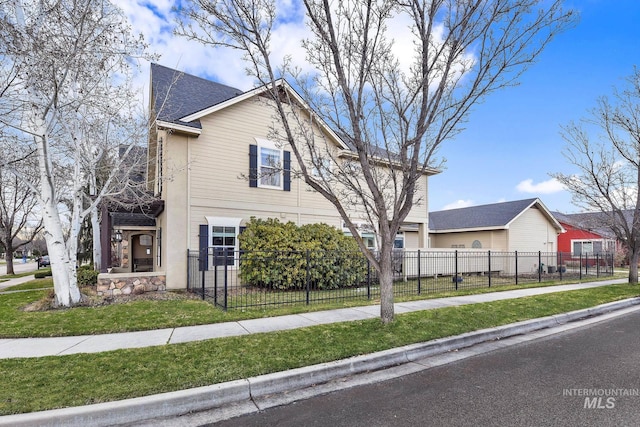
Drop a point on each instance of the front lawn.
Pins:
(53, 382)
(180, 310)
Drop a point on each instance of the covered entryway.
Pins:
(129, 239)
(142, 252)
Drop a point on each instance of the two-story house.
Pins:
(214, 165)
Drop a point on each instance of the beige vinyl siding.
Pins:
(199, 214)
(419, 212)
(411, 240)
(207, 176)
(174, 219)
(219, 165)
(532, 231)
(495, 240)
(220, 161)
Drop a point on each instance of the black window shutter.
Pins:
(204, 247)
(287, 171)
(253, 165)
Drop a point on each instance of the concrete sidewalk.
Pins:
(39, 347)
(16, 281)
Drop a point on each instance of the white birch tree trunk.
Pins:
(65, 286)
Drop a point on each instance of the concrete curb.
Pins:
(243, 391)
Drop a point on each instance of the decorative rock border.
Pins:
(112, 284)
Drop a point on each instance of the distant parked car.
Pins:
(43, 261)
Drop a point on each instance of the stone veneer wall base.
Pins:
(112, 284)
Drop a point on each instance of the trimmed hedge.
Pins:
(284, 256)
(42, 274)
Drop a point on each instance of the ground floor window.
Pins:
(223, 240)
(582, 247)
(398, 243)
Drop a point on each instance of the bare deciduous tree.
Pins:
(392, 110)
(605, 148)
(19, 223)
(66, 68)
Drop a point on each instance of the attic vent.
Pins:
(476, 244)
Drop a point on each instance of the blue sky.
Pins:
(514, 136)
(512, 141)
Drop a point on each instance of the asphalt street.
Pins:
(589, 376)
(19, 267)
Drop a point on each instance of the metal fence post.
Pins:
(489, 259)
(203, 276)
(560, 264)
(516, 252)
(226, 278)
(586, 264)
(215, 277)
(580, 267)
(419, 283)
(308, 277)
(368, 279)
(456, 263)
(598, 265)
(539, 266)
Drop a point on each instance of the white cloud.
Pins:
(545, 187)
(155, 20)
(459, 204)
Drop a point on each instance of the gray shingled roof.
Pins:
(485, 216)
(596, 222)
(176, 94)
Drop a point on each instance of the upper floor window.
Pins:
(269, 166)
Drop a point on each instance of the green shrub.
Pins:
(287, 257)
(87, 276)
(41, 274)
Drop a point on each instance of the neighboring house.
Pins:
(522, 225)
(213, 164)
(586, 234)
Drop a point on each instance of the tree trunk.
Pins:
(65, 285)
(9, 258)
(386, 285)
(633, 266)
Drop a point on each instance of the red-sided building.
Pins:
(582, 237)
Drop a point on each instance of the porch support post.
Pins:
(423, 235)
(105, 238)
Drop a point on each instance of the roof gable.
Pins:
(175, 94)
(492, 216)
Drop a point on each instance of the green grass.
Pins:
(26, 273)
(31, 285)
(54, 382)
(146, 315)
(138, 315)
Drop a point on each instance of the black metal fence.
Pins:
(246, 279)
